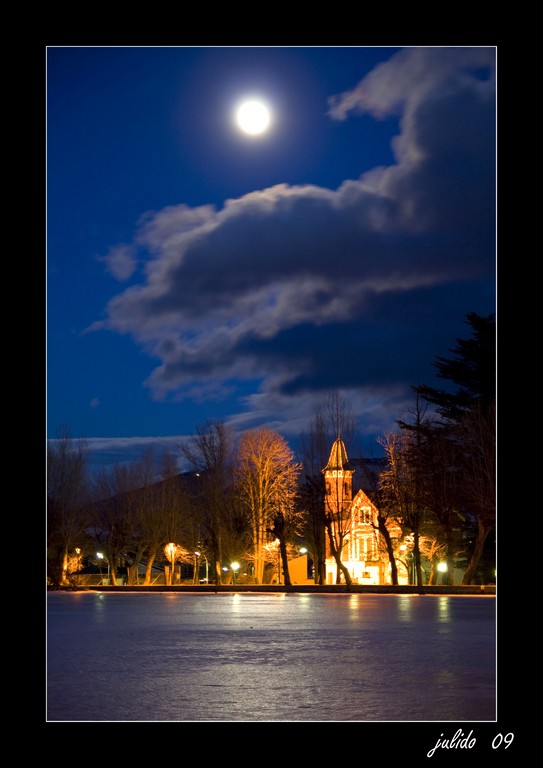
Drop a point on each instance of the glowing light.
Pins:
(253, 117)
(171, 551)
(235, 568)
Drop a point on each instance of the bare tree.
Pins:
(266, 481)
(175, 514)
(399, 488)
(139, 509)
(210, 454)
(477, 436)
(439, 482)
(311, 503)
(434, 550)
(338, 497)
(468, 416)
(338, 500)
(287, 522)
(333, 416)
(151, 512)
(314, 449)
(110, 516)
(372, 482)
(453, 466)
(67, 489)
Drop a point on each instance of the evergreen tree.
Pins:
(472, 369)
(468, 419)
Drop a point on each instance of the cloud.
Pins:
(120, 262)
(413, 76)
(104, 452)
(303, 288)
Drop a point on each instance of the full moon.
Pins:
(253, 117)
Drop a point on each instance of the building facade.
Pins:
(353, 527)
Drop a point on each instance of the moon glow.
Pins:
(253, 117)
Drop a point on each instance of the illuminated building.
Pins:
(354, 525)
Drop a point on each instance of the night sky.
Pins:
(197, 273)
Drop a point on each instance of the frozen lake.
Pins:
(270, 657)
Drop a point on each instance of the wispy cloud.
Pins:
(105, 452)
(120, 261)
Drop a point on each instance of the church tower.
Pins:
(353, 531)
(338, 478)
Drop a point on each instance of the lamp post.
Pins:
(406, 562)
(170, 554)
(235, 567)
(278, 543)
(101, 556)
(198, 554)
(196, 575)
(305, 551)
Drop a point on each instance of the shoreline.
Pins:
(384, 589)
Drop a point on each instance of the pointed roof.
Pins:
(338, 458)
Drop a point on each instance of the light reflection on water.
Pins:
(271, 657)
(444, 613)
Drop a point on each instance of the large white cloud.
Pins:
(260, 287)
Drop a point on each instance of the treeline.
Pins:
(249, 499)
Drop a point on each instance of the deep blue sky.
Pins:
(195, 273)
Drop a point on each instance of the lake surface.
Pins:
(270, 657)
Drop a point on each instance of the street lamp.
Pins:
(170, 550)
(207, 566)
(101, 556)
(235, 568)
(305, 551)
(278, 560)
(407, 562)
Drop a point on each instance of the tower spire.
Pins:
(338, 457)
